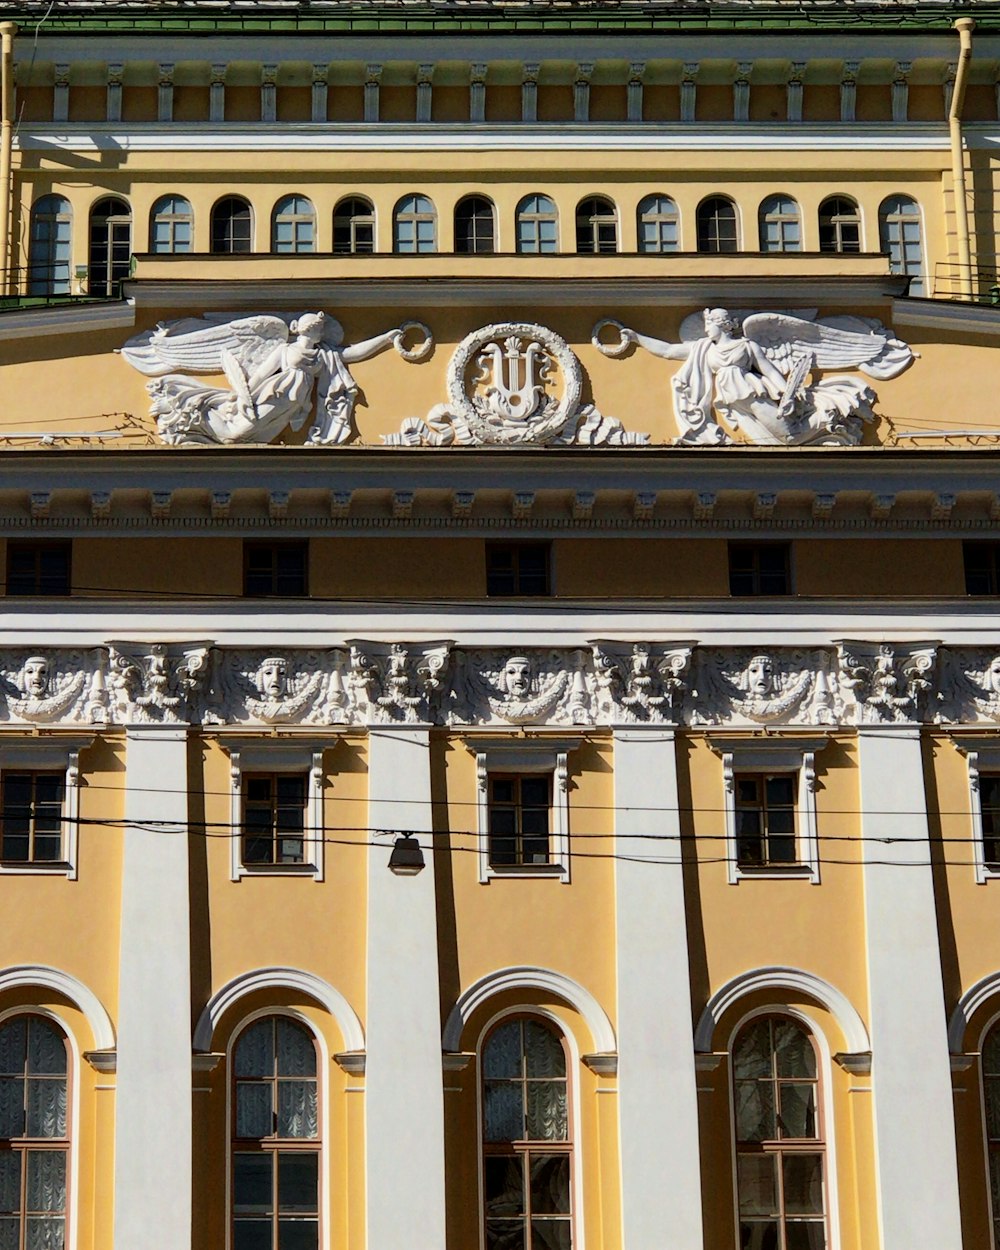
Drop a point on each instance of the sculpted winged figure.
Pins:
(274, 364)
(755, 371)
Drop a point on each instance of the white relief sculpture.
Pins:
(297, 687)
(513, 382)
(522, 688)
(282, 370)
(888, 683)
(157, 682)
(398, 681)
(66, 686)
(757, 372)
(790, 687)
(969, 686)
(640, 683)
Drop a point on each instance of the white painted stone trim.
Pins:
(772, 755)
(781, 978)
(55, 753)
(279, 978)
(524, 977)
(41, 976)
(982, 754)
(277, 756)
(972, 1000)
(517, 755)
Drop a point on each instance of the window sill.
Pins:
(559, 872)
(277, 870)
(775, 872)
(55, 868)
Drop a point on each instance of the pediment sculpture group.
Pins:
(604, 682)
(764, 375)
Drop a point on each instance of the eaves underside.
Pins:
(510, 16)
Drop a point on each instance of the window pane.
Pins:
(992, 1088)
(298, 1234)
(547, 1118)
(13, 1047)
(762, 1235)
(803, 1184)
(10, 1181)
(252, 1235)
(757, 1181)
(752, 1053)
(544, 1055)
(755, 1111)
(296, 1050)
(46, 1188)
(46, 1108)
(503, 1185)
(252, 1184)
(46, 1234)
(549, 1179)
(503, 1111)
(794, 1052)
(297, 1114)
(254, 1113)
(798, 1110)
(46, 1048)
(10, 1233)
(550, 1235)
(11, 1108)
(805, 1235)
(255, 1050)
(505, 1235)
(502, 1054)
(298, 1183)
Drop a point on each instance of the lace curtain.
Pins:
(276, 1089)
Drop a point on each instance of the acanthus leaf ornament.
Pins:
(887, 682)
(641, 682)
(520, 688)
(513, 383)
(282, 369)
(398, 682)
(157, 683)
(969, 684)
(756, 372)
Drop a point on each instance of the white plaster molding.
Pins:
(601, 1064)
(398, 682)
(642, 682)
(534, 687)
(353, 1062)
(68, 320)
(857, 1063)
(972, 1000)
(528, 978)
(58, 752)
(744, 687)
(982, 754)
(157, 682)
(293, 979)
(781, 978)
(87, 137)
(41, 976)
(290, 687)
(886, 683)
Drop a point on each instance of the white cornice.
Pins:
(29, 323)
(951, 315)
(340, 138)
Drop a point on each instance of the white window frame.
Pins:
(507, 755)
(777, 755)
(257, 756)
(982, 755)
(57, 754)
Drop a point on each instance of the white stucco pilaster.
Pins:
(404, 1100)
(153, 1102)
(911, 1072)
(658, 1101)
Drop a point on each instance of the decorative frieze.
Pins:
(602, 682)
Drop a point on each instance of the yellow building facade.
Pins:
(499, 660)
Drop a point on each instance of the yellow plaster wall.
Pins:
(594, 567)
(884, 567)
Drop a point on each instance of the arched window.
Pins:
(899, 235)
(475, 225)
(51, 237)
(276, 1144)
(110, 245)
(596, 225)
(34, 1134)
(171, 225)
(659, 224)
(991, 1094)
(717, 225)
(354, 226)
(527, 1137)
(415, 225)
(232, 225)
(780, 225)
(537, 224)
(780, 1145)
(839, 225)
(293, 226)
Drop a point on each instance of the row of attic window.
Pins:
(415, 230)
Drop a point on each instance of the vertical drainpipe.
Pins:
(7, 33)
(965, 27)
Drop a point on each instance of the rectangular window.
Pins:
(982, 568)
(274, 818)
(989, 800)
(279, 569)
(31, 811)
(760, 569)
(517, 569)
(519, 808)
(38, 567)
(765, 819)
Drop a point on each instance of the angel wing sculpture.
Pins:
(274, 365)
(756, 372)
